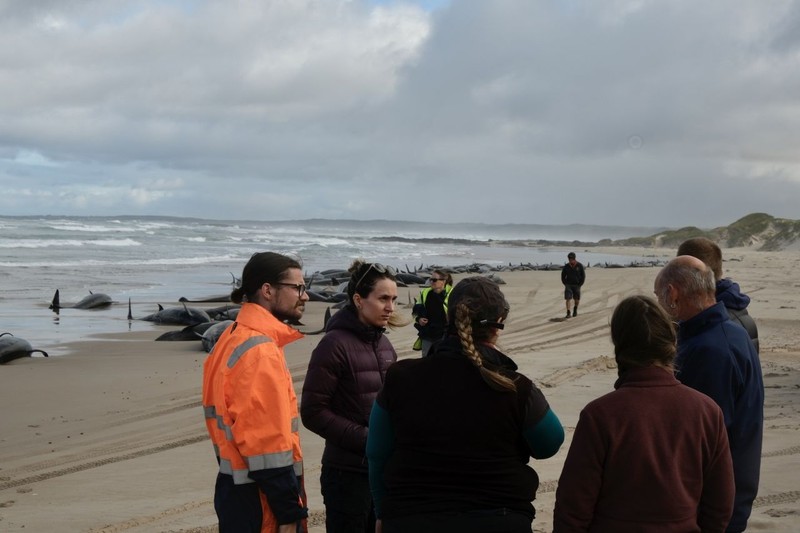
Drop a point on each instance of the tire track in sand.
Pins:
(569, 338)
(547, 486)
(123, 441)
(145, 520)
(598, 364)
(315, 519)
(786, 451)
(775, 499)
(7, 484)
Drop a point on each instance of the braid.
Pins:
(494, 379)
(464, 328)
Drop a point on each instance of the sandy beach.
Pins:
(110, 438)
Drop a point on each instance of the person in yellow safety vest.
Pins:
(430, 311)
(250, 404)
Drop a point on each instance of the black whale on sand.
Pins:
(95, 300)
(12, 347)
(181, 316)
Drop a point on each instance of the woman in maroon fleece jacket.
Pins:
(653, 455)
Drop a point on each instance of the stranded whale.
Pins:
(95, 300)
(180, 316)
(12, 347)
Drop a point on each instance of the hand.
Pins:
(423, 321)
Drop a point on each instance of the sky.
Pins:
(621, 112)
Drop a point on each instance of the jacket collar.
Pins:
(702, 321)
(256, 317)
(450, 347)
(347, 319)
(648, 376)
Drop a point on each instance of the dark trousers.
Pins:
(348, 501)
(484, 521)
(238, 507)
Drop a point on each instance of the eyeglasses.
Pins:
(379, 268)
(434, 280)
(299, 287)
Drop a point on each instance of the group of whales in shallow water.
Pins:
(206, 325)
(203, 324)
(12, 347)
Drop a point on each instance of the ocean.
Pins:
(157, 260)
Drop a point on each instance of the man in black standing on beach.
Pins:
(572, 276)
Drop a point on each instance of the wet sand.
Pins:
(110, 438)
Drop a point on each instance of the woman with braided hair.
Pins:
(451, 434)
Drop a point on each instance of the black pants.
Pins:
(348, 501)
(238, 507)
(484, 521)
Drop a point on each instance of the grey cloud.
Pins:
(661, 112)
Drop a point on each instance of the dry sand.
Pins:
(111, 437)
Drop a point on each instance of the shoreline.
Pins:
(24, 305)
(109, 437)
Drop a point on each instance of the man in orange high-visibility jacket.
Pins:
(251, 407)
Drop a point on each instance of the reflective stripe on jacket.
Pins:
(423, 296)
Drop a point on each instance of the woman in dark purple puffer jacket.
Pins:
(346, 371)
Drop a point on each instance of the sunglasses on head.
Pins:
(488, 324)
(379, 268)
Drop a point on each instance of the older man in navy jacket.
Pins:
(716, 357)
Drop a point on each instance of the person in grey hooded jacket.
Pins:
(728, 291)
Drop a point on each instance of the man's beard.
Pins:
(290, 318)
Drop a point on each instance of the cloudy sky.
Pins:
(629, 112)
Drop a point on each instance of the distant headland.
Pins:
(759, 231)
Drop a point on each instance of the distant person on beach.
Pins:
(250, 405)
(653, 454)
(727, 291)
(430, 310)
(717, 357)
(451, 434)
(573, 276)
(345, 373)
